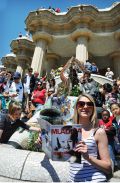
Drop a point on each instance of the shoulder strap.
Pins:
(95, 131)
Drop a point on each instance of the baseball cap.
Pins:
(16, 75)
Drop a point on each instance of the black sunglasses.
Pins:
(81, 104)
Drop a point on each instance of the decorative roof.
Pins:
(10, 55)
(25, 37)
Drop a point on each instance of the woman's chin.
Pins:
(84, 115)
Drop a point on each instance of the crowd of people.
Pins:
(97, 109)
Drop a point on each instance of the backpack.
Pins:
(94, 68)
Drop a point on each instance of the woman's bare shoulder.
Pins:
(100, 132)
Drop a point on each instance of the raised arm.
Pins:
(67, 65)
(80, 65)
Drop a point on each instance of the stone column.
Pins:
(21, 66)
(82, 49)
(52, 61)
(81, 37)
(41, 42)
(39, 53)
(116, 63)
(19, 69)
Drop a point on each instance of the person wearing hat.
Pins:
(16, 89)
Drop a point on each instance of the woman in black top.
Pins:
(11, 121)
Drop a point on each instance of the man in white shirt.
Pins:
(29, 82)
(109, 74)
(16, 89)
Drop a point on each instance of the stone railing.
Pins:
(98, 78)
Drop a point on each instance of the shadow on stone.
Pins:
(47, 165)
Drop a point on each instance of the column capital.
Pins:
(22, 58)
(117, 35)
(9, 59)
(81, 33)
(115, 54)
(42, 36)
(53, 56)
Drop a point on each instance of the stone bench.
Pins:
(31, 166)
(23, 165)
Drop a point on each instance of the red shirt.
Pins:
(39, 96)
(106, 125)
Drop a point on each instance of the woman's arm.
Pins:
(104, 163)
(67, 65)
(1, 131)
(80, 65)
(36, 129)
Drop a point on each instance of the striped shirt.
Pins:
(85, 171)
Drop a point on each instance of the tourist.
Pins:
(88, 84)
(11, 121)
(29, 82)
(39, 96)
(115, 109)
(51, 9)
(52, 73)
(109, 74)
(106, 123)
(57, 10)
(110, 96)
(94, 69)
(16, 90)
(93, 143)
(52, 88)
(70, 69)
(99, 101)
(88, 66)
(36, 76)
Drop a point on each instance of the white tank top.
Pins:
(85, 171)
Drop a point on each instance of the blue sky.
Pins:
(14, 12)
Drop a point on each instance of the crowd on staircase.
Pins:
(21, 97)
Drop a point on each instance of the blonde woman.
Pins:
(93, 143)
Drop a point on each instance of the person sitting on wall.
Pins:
(11, 121)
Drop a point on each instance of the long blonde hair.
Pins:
(93, 118)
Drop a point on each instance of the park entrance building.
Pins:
(84, 32)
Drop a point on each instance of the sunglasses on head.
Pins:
(82, 104)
